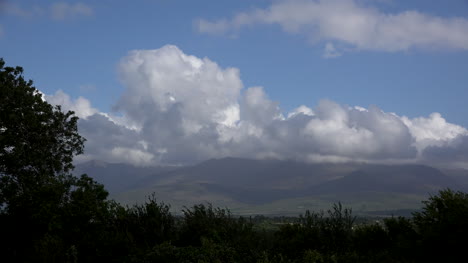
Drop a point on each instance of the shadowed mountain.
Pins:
(459, 175)
(414, 179)
(118, 177)
(251, 185)
(256, 174)
(253, 181)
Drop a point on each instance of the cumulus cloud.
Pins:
(452, 153)
(301, 110)
(110, 138)
(433, 131)
(114, 142)
(351, 23)
(180, 109)
(258, 108)
(168, 84)
(81, 106)
(371, 134)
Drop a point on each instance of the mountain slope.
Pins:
(118, 177)
(414, 179)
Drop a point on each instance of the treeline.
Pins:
(48, 215)
(90, 228)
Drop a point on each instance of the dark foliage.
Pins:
(37, 145)
(443, 226)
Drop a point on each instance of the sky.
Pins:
(177, 82)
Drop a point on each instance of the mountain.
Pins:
(459, 175)
(118, 177)
(415, 179)
(276, 186)
(255, 174)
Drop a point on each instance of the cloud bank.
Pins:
(180, 109)
(352, 24)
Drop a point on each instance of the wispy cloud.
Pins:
(351, 23)
(14, 9)
(330, 51)
(63, 10)
(87, 88)
(56, 11)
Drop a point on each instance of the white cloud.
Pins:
(112, 141)
(351, 23)
(347, 132)
(81, 106)
(301, 110)
(194, 110)
(179, 109)
(166, 83)
(433, 131)
(134, 156)
(258, 109)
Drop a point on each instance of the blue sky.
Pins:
(413, 62)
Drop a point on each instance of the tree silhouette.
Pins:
(37, 145)
(443, 226)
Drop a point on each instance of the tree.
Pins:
(443, 226)
(36, 139)
(148, 224)
(204, 221)
(37, 145)
(403, 238)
